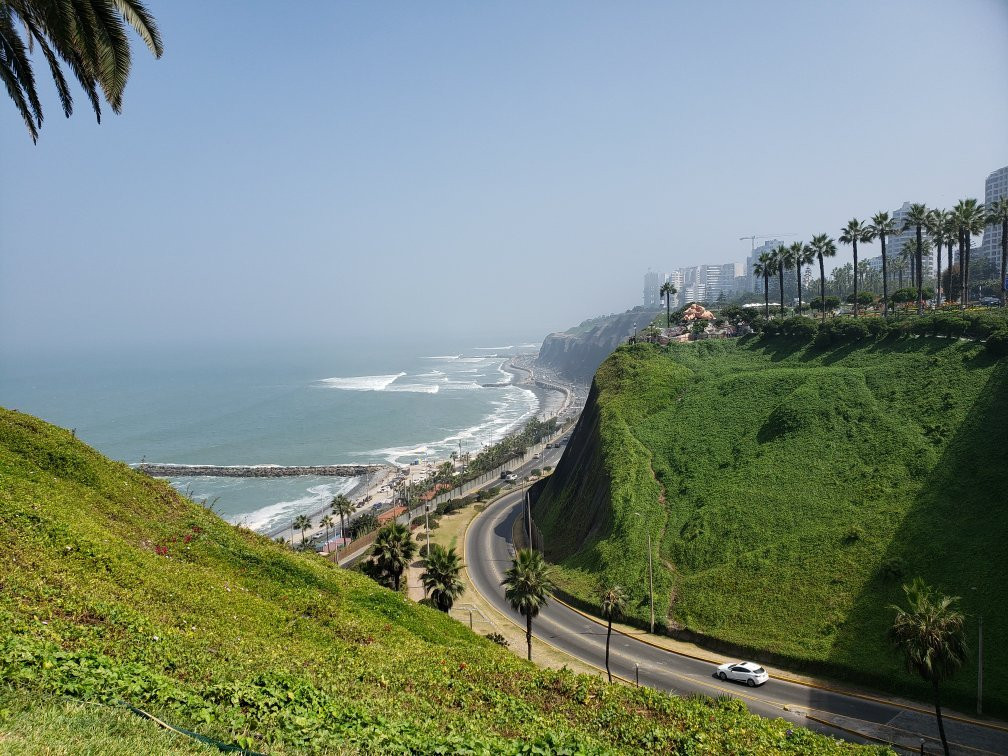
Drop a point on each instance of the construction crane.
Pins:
(752, 239)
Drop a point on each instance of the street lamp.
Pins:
(650, 570)
(426, 518)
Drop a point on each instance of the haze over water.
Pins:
(275, 406)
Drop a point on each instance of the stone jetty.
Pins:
(256, 471)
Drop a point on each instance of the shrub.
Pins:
(854, 534)
(799, 328)
(497, 638)
(892, 569)
(997, 343)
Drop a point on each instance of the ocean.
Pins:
(274, 406)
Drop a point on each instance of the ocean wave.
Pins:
(443, 357)
(362, 382)
(414, 388)
(316, 497)
(431, 374)
(494, 349)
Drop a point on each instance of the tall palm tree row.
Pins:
(822, 247)
(997, 213)
(762, 269)
(855, 231)
(88, 36)
(327, 522)
(881, 228)
(440, 577)
(929, 632)
(668, 290)
(393, 549)
(970, 218)
(527, 586)
(937, 229)
(917, 218)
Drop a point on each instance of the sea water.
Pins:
(290, 406)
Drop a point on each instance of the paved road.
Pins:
(488, 552)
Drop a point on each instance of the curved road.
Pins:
(489, 552)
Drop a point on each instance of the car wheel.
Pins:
(751, 683)
(722, 676)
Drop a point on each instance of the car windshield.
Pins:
(759, 670)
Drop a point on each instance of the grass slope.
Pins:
(114, 588)
(792, 490)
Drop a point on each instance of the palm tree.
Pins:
(855, 231)
(998, 213)
(900, 266)
(782, 262)
(823, 246)
(440, 577)
(937, 229)
(930, 635)
(882, 227)
(527, 586)
(613, 602)
(917, 217)
(327, 522)
(393, 549)
(802, 255)
(667, 290)
(302, 523)
(343, 507)
(970, 218)
(88, 36)
(762, 268)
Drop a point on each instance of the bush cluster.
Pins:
(991, 327)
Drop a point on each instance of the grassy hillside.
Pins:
(114, 589)
(790, 490)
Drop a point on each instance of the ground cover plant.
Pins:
(791, 482)
(115, 589)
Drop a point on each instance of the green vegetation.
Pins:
(793, 480)
(114, 588)
(527, 586)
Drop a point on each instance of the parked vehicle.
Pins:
(750, 673)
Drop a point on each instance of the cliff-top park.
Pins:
(504, 378)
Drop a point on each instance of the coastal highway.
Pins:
(489, 552)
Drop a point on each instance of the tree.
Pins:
(936, 228)
(802, 255)
(302, 523)
(613, 601)
(970, 218)
(998, 213)
(327, 522)
(855, 231)
(88, 36)
(917, 218)
(881, 228)
(823, 246)
(527, 585)
(440, 577)
(343, 507)
(762, 268)
(668, 290)
(930, 634)
(900, 266)
(393, 549)
(782, 262)
(365, 523)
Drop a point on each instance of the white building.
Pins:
(752, 284)
(894, 244)
(652, 288)
(995, 187)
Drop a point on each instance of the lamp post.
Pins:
(650, 571)
(426, 518)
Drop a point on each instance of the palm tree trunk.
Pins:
(938, 277)
(920, 272)
(780, 275)
(798, 279)
(766, 296)
(966, 285)
(528, 634)
(962, 273)
(938, 715)
(855, 277)
(885, 280)
(822, 287)
(668, 315)
(1004, 257)
(607, 637)
(949, 252)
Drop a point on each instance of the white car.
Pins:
(748, 672)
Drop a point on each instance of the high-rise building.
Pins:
(995, 188)
(652, 288)
(767, 246)
(677, 279)
(894, 244)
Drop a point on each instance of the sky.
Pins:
(367, 171)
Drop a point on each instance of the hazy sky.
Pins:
(472, 167)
